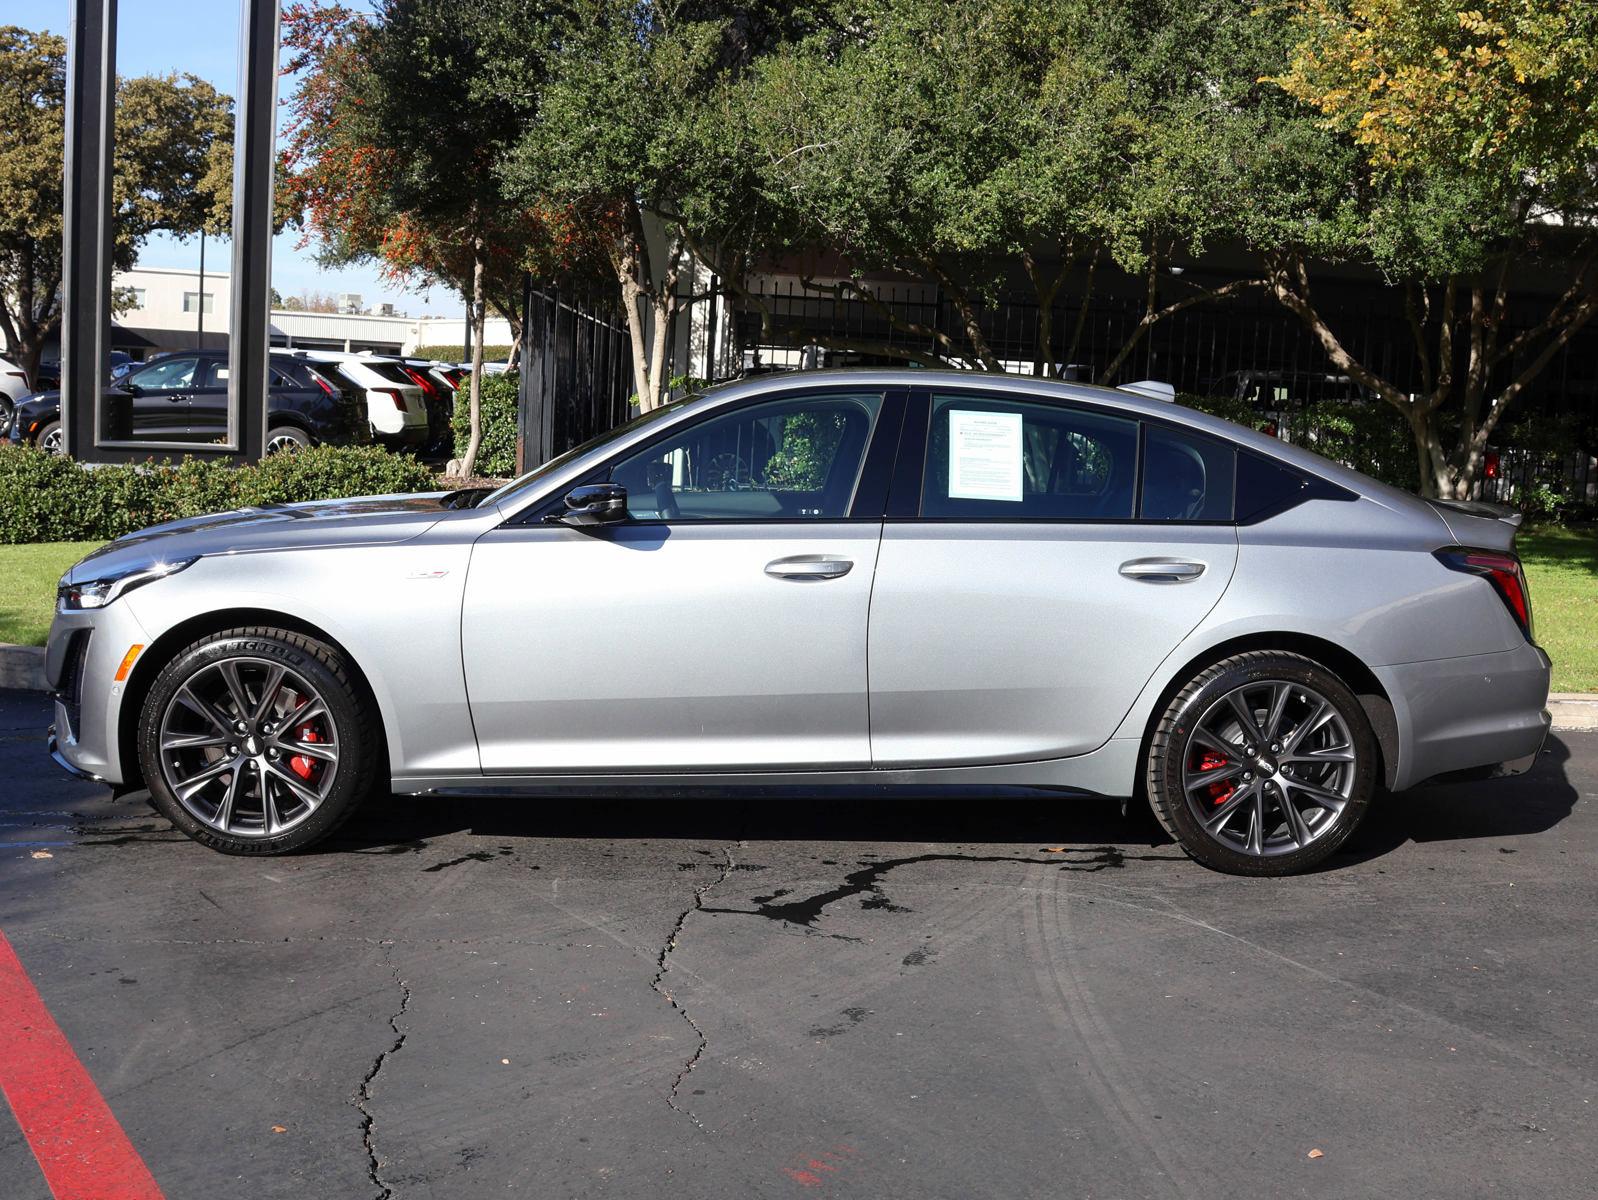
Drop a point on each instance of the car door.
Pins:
(721, 628)
(1038, 561)
(159, 399)
(208, 401)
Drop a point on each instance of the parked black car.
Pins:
(182, 398)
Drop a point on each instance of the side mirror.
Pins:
(132, 389)
(596, 504)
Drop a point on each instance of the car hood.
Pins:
(360, 521)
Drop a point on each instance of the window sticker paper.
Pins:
(984, 455)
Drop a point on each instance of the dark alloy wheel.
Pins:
(256, 741)
(286, 439)
(1262, 765)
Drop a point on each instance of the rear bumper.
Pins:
(1458, 714)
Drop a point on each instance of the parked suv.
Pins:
(182, 397)
(13, 387)
(396, 405)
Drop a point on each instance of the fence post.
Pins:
(86, 219)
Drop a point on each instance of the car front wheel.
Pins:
(257, 741)
(1264, 764)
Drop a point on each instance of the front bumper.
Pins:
(1460, 714)
(80, 664)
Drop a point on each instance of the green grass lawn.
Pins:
(1561, 565)
(1562, 569)
(28, 577)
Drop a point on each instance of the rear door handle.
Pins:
(1162, 570)
(809, 566)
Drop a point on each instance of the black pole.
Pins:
(254, 138)
(86, 219)
(199, 324)
(524, 374)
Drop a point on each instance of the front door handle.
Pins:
(809, 566)
(1162, 570)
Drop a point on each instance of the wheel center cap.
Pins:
(1268, 767)
(252, 745)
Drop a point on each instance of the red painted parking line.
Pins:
(80, 1147)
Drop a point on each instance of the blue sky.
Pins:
(200, 36)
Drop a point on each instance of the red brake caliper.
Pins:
(303, 765)
(1219, 791)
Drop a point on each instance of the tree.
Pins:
(398, 123)
(172, 173)
(635, 137)
(1469, 153)
(974, 143)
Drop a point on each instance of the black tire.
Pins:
(50, 438)
(351, 727)
(286, 439)
(1299, 844)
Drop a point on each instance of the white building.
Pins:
(173, 308)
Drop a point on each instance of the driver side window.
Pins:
(168, 375)
(798, 457)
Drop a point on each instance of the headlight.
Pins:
(97, 593)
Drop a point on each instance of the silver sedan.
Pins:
(849, 579)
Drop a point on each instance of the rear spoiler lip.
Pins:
(1482, 508)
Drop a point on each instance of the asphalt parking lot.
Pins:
(682, 998)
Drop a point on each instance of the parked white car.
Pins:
(395, 404)
(13, 387)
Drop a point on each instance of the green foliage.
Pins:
(457, 353)
(809, 444)
(45, 497)
(498, 400)
(1365, 435)
(172, 173)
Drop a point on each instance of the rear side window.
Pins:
(990, 458)
(390, 371)
(1186, 477)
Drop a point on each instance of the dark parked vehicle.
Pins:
(182, 398)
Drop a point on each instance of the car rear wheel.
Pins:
(1264, 764)
(257, 741)
(286, 438)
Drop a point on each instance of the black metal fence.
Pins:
(576, 373)
(1246, 352)
(1245, 349)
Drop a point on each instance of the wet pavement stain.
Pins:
(474, 856)
(853, 1016)
(867, 882)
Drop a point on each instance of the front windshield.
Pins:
(516, 487)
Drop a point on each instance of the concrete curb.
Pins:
(22, 667)
(1574, 710)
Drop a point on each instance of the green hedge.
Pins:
(47, 498)
(497, 455)
(457, 353)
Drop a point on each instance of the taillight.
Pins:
(1490, 465)
(394, 395)
(423, 382)
(1500, 569)
(324, 385)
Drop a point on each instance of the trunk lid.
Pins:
(1480, 524)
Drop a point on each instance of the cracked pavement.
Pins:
(920, 998)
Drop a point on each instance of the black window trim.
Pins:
(871, 486)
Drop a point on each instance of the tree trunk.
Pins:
(475, 404)
(1444, 474)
